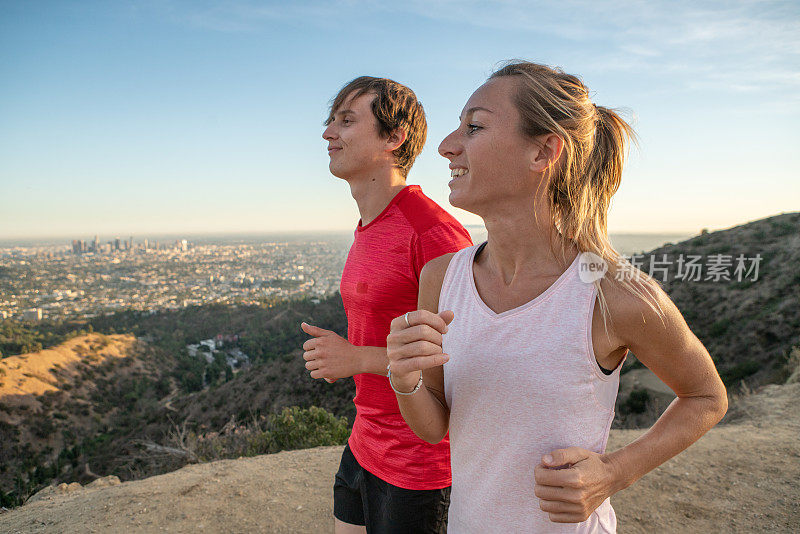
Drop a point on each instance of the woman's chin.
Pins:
(453, 199)
(457, 199)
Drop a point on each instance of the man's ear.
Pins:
(546, 152)
(396, 139)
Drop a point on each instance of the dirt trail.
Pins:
(741, 477)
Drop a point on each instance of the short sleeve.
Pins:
(442, 238)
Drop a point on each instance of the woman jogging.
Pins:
(522, 364)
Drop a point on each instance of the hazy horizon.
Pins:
(7, 238)
(625, 243)
(59, 240)
(65, 238)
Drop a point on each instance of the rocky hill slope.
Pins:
(748, 320)
(56, 404)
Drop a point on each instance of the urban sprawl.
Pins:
(85, 279)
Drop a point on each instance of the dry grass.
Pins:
(27, 376)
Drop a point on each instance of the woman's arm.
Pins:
(680, 360)
(419, 347)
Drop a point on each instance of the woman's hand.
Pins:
(571, 483)
(416, 345)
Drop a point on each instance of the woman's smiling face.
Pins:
(490, 159)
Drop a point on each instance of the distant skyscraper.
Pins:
(96, 245)
(116, 243)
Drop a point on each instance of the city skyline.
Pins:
(120, 243)
(206, 118)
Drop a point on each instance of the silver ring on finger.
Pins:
(408, 325)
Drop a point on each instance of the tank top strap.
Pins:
(453, 283)
(575, 287)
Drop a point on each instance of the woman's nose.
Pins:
(448, 147)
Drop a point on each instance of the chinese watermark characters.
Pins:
(684, 267)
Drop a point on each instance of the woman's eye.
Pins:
(346, 121)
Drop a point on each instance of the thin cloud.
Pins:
(745, 46)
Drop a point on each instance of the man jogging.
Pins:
(389, 480)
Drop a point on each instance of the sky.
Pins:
(154, 117)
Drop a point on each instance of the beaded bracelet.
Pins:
(389, 376)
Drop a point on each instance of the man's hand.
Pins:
(328, 355)
(571, 483)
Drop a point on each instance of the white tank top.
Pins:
(520, 384)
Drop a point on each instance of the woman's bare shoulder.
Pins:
(645, 309)
(430, 281)
(437, 267)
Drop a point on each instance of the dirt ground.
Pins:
(741, 477)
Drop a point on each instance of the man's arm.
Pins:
(329, 355)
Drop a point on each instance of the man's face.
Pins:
(355, 147)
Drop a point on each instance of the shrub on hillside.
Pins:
(297, 428)
(793, 366)
(293, 428)
(637, 401)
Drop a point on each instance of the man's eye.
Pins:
(472, 128)
(346, 121)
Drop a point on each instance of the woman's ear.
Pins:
(546, 152)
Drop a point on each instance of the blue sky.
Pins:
(137, 118)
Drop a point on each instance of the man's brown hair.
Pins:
(395, 106)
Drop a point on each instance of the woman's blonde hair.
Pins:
(596, 140)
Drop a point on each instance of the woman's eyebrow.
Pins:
(470, 111)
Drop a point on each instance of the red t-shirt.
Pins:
(380, 281)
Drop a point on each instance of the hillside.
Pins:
(57, 407)
(121, 404)
(24, 379)
(762, 315)
(125, 399)
(266, 388)
(749, 327)
(740, 477)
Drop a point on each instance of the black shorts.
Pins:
(361, 498)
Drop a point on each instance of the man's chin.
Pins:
(337, 171)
